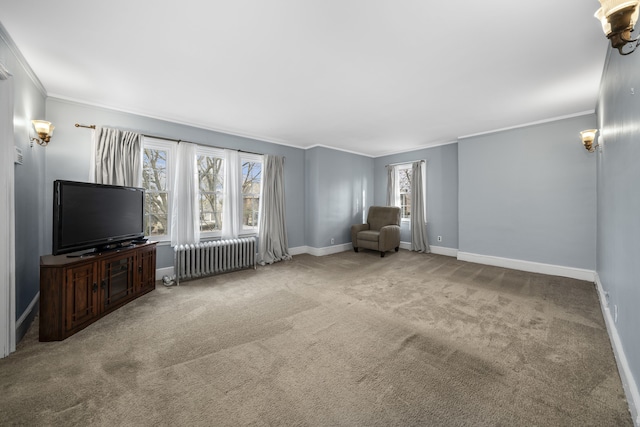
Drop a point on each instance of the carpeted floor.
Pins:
(343, 340)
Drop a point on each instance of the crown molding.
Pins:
(410, 150)
(13, 48)
(524, 125)
(338, 149)
(62, 98)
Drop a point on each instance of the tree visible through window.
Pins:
(404, 186)
(158, 176)
(155, 180)
(211, 185)
(251, 181)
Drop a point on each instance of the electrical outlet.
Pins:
(332, 241)
(439, 238)
(615, 313)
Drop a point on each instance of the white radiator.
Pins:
(214, 257)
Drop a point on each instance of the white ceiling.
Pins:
(369, 76)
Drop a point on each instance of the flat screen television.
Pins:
(95, 216)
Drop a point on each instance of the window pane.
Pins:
(154, 180)
(250, 211)
(154, 169)
(251, 178)
(404, 184)
(211, 184)
(405, 205)
(210, 173)
(210, 212)
(155, 224)
(405, 180)
(156, 218)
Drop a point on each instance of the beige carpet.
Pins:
(348, 339)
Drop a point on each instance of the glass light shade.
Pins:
(606, 27)
(589, 134)
(634, 17)
(43, 127)
(610, 7)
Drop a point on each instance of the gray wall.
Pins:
(442, 191)
(530, 194)
(619, 197)
(339, 189)
(29, 104)
(69, 153)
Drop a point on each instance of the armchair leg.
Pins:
(381, 254)
(397, 247)
(355, 249)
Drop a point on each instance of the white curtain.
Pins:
(273, 244)
(418, 209)
(392, 186)
(92, 165)
(185, 224)
(118, 157)
(232, 205)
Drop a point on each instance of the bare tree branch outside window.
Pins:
(154, 180)
(251, 177)
(155, 177)
(211, 184)
(404, 181)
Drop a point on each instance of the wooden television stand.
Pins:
(77, 291)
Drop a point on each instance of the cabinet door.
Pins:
(81, 296)
(118, 278)
(146, 269)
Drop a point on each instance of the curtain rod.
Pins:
(78, 125)
(404, 163)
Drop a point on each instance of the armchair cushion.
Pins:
(369, 235)
(355, 229)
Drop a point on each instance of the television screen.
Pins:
(90, 215)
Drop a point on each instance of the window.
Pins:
(210, 167)
(403, 179)
(251, 189)
(158, 171)
(157, 166)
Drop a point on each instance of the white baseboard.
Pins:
(441, 250)
(532, 267)
(330, 249)
(299, 250)
(26, 313)
(438, 250)
(628, 382)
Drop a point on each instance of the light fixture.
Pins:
(618, 17)
(44, 130)
(588, 136)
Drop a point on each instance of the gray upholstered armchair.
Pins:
(381, 232)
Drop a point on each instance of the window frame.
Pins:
(254, 158)
(203, 150)
(170, 148)
(405, 166)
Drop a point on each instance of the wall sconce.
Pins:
(44, 130)
(618, 17)
(588, 136)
